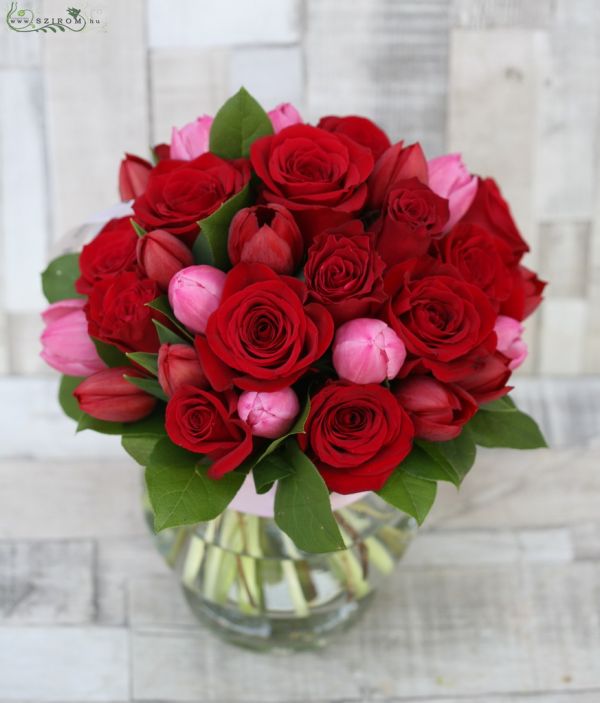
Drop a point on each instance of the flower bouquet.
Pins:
(298, 331)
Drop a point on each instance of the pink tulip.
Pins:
(367, 351)
(67, 347)
(269, 414)
(509, 331)
(284, 115)
(195, 293)
(191, 140)
(449, 178)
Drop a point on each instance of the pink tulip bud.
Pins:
(133, 176)
(195, 293)
(107, 395)
(269, 414)
(67, 346)
(284, 115)
(265, 234)
(160, 255)
(367, 351)
(191, 140)
(178, 365)
(509, 331)
(449, 178)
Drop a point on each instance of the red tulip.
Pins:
(133, 176)
(161, 255)
(178, 365)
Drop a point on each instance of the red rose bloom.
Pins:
(526, 294)
(117, 312)
(480, 258)
(111, 251)
(398, 163)
(207, 423)
(438, 410)
(344, 272)
(263, 336)
(436, 315)
(412, 215)
(490, 211)
(361, 129)
(319, 176)
(357, 435)
(179, 193)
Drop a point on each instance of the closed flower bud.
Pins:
(133, 176)
(269, 415)
(107, 395)
(509, 331)
(191, 140)
(284, 115)
(178, 365)
(438, 410)
(449, 178)
(195, 293)
(266, 234)
(67, 346)
(160, 255)
(366, 350)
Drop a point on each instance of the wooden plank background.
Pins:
(512, 84)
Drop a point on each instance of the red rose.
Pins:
(111, 251)
(179, 193)
(160, 255)
(480, 258)
(436, 315)
(207, 423)
(108, 395)
(361, 129)
(526, 294)
(357, 435)
(317, 175)
(117, 312)
(412, 215)
(490, 210)
(265, 234)
(263, 336)
(398, 163)
(438, 410)
(133, 176)
(344, 272)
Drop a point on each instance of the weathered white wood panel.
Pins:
(386, 60)
(194, 23)
(562, 338)
(96, 108)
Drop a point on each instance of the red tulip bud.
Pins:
(266, 234)
(133, 176)
(160, 255)
(107, 395)
(178, 365)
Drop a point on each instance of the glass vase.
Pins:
(247, 581)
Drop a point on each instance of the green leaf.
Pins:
(145, 360)
(422, 465)
(167, 336)
(180, 491)
(109, 354)
(87, 422)
(140, 447)
(455, 457)
(409, 493)
(210, 246)
(153, 424)
(150, 385)
(303, 508)
(66, 398)
(512, 429)
(297, 428)
(504, 404)
(58, 280)
(271, 469)
(237, 124)
(139, 230)
(162, 305)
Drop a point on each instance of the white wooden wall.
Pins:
(513, 84)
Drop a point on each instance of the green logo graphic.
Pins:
(27, 21)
